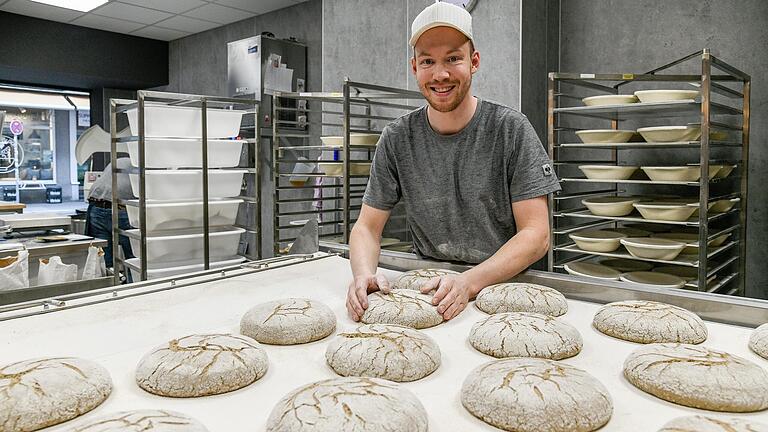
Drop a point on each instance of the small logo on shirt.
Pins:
(547, 169)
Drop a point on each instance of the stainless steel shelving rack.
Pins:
(364, 108)
(723, 267)
(205, 104)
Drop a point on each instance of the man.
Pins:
(472, 173)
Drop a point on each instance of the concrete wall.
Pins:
(618, 36)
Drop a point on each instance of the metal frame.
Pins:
(709, 84)
(206, 103)
(355, 96)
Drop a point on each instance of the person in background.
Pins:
(99, 215)
(472, 173)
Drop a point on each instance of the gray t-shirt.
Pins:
(102, 187)
(458, 189)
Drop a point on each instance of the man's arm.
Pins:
(364, 248)
(526, 247)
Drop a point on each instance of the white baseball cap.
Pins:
(441, 14)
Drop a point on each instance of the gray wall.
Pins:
(617, 36)
(198, 63)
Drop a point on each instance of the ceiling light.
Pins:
(78, 5)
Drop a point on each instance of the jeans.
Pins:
(99, 225)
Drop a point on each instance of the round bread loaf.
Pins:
(38, 393)
(413, 279)
(202, 365)
(711, 424)
(387, 351)
(524, 334)
(534, 395)
(521, 297)
(758, 342)
(142, 421)
(348, 404)
(402, 307)
(288, 321)
(698, 377)
(650, 322)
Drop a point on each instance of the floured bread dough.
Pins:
(698, 377)
(758, 341)
(387, 351)
(413, 279)
(202, 365)
(402, 307)
(650, 322)
(142, 421)
(42, 392)
(349, 404)
(534, 395)
(524, 334)
(712, 424)
(521, 297)
(288, 321)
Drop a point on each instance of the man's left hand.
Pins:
(453, 294)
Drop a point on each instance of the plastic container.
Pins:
(179, 121)
(185, 214)
(187, 245)
(188, 184)
(186, 153)
(157, 271)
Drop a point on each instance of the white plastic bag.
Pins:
(53, 271)
(14, 271)
(95, 267)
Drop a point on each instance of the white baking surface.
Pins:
(117, 334)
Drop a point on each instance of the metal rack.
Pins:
(365, 108)
(206, 104)
(722, 268)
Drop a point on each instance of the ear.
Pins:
(475, 62)
(413, 65)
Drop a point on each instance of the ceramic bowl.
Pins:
(626, 265)
(608, 172)
(686, 273)
(663, 134)
(599, 136)
(630, 232)
(360, 139)
(609, 100)
(719, 240)
(691, 240)
(597, 240)
(658, 280)
(653, 248)
(651, 96)
(665, 211)
(609, 206)
(725, 171)
(591, 270)
(672, 173)
(722, 206)
(714, 169)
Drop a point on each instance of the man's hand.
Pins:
(359, 288)
(453, 294)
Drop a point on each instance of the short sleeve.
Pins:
(383, 190)
(530, 172)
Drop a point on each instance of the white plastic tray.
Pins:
(186, 214)
(156, 271)
(188, 184)
(186, 153)
(177, 121)
(187, 245)
(34, 220)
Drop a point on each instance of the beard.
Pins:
(460, 92)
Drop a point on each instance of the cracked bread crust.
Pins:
(650, 322)
(413, 279)
(402, 307)
(386, 351)
(521, 297)
(142, 421)
(349, 404)
(43, 392)
(202, 365)
(534, 395)
(288, 321)
(711, 424)
(758, 341)
(523, 334)
(698, 377)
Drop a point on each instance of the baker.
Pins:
(472, 174)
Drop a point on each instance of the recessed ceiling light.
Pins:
(78, 5)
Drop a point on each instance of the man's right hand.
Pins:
(359, 288)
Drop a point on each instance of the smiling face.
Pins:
(444, 63)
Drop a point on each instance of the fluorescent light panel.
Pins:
(78, 5)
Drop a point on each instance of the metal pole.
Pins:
(346, 166)
(551, 151)
(115, 208)
(257, 180)
(276, 176)
(206, 222)
(706, 74)
(142, 187)
(743, 215)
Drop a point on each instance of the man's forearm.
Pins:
(364, 248)
(522, 250)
